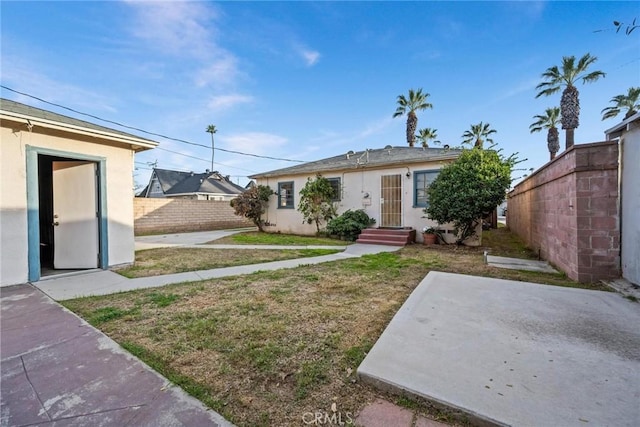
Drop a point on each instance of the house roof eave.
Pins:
(364, 166)
(611, 133)
(13, 111)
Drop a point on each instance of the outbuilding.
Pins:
(66, 194)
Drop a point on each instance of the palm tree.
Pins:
(416, 101)
(630, 101)
(566, 76)
(548, 121)
(212, 129)
(478, 134)
(424, 135)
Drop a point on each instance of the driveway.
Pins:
(58, 370)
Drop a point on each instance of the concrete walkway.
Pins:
(58, 370)
(520, 264)
(103, 282)
(182, 239)
(514, 353)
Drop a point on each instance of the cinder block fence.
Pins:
(156, 216)
(569, 211)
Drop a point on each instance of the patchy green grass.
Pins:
(257, 238)
(155, 262)
(502, 242)
(265, 348)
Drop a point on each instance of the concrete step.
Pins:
(387, 236)
(380, 242)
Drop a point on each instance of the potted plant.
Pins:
(430, 235)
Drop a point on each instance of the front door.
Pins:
(391, 201)
(75, 215)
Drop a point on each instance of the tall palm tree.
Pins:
(424, 135)
(548, 121)
(478, 134)
(212, 129)
(630, 101)
(566, 76)
(417, 101)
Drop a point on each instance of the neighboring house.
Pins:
(66, 193)
(389, 184)
(628, 135)
(188, 185)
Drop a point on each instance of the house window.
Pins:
(337, 190)
(421, 182)
(285, 195)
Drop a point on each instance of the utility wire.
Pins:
(147, 132)
(198, 158)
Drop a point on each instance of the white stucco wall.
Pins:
(355, 184)
(630, 201)
(13, 196)
(13, 209)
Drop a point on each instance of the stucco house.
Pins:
(628, 135)
(66, 193)
(165, 183)
(389, 184)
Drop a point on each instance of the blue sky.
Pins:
(305, 80)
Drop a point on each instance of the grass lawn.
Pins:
(266, 348)
(257, 238)
(154, 262)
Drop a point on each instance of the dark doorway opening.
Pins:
(47, 216)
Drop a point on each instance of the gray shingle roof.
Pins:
(176, 182)
(38, 113)
(373, 158)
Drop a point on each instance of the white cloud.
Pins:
(254, 142)
(223, 102)
(223, 71)
(310, 57)
(173, 26)
(20, 75)
(186, 29)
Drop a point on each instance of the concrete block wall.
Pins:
(157, 216)
(568, 210)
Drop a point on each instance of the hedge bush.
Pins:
(350, 224)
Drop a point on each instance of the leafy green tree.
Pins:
(548, 121)
(316, 201)
(629, 102)
(566, 76)
(417, 101)
(252, 204)
(427, 134)
(468, 189)
(478, 134)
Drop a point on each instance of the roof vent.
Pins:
(446, 146)
(349, 153)
(388, 147)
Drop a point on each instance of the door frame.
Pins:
(33, 205)
(400, 213)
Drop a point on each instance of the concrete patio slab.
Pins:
(514, 353)
(520, 264)
(101, 282)
(58, 370)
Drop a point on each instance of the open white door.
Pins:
(75, 219)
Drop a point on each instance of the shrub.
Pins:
(252, 204)
(468, 189)
(316, 203)
(350, 224)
